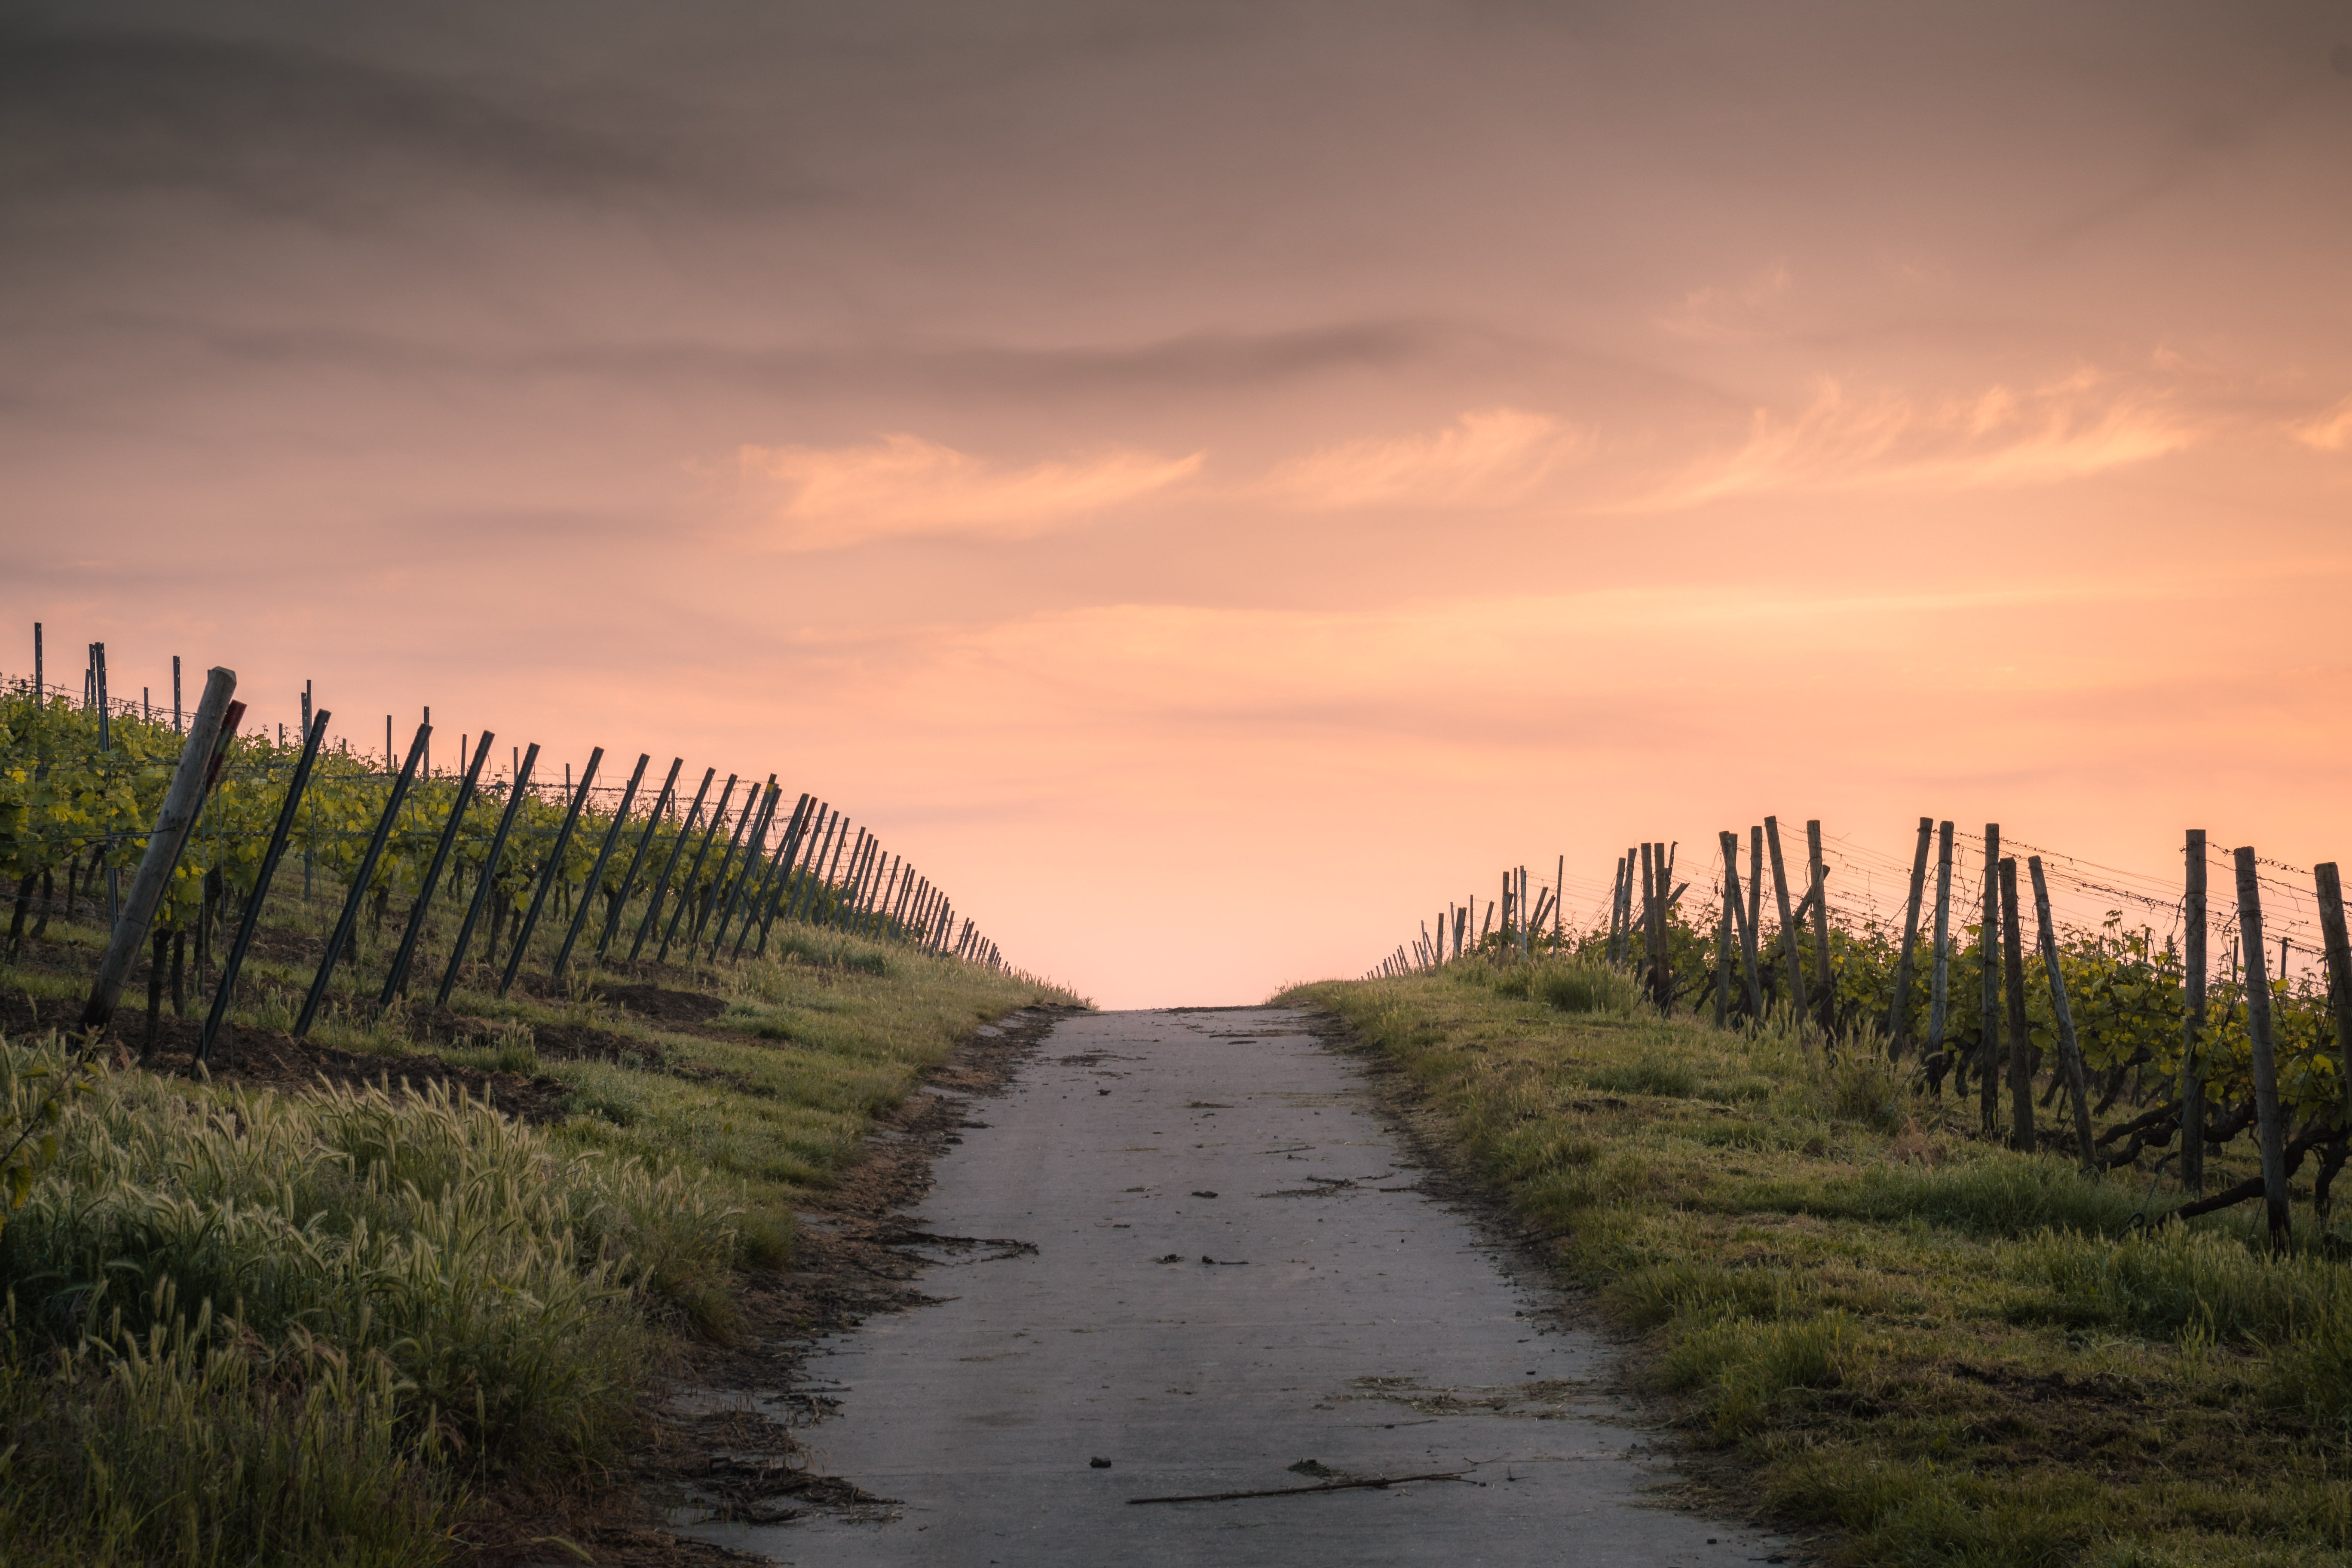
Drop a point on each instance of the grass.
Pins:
(1930, 1350)
(250, 1327)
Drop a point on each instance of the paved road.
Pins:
(1348, 1323)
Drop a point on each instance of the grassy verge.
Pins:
(1931, 1349)
(329, 1326)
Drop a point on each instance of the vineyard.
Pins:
(413, 881)
(462, 1102)
(1986, 996)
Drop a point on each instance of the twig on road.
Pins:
(1301, 1492)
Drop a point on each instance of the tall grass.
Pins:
(351, 1301)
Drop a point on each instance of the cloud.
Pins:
(1487, 458)
(2328, 432)
(902, 486)
(2084, 424)
(1718, 315)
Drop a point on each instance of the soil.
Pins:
(269, 1058)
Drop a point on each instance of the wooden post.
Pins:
(595, 882)
(765, 894)
(636, 859)
(183, 799)
(1940, 988)
(1756, 906)
(1723, 957)
(660, 889)
(2070, 1051)
(360, 880)
(395, 980)
(2339, 971)
(1787, 924)
(518, 785)
(726, 885)
(1989, 954)
(260, 894)
(2267, 1115)
(553, 872)
(1898, 1017)
(2192, 1018)
(1821, 889)
(686, 897)
(1662, 963)
(2021, 1042)
(1754, 986)
(1649, 942)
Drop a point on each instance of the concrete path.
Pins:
(1238, 1285)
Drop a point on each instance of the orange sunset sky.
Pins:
(1212, 482)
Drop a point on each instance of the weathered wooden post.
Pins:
(2339, 971)
(2070, 1051)
(636, 859)
(1788, 925)
(1740, 907)
(2021, 1041)
(260, 895)
(552, 874)
(1898, 1018)
(1939, 987)
(2258, 1029)
(395, 980)
(595, 882)
(518, 787)
(1820, 876)
(2193, 1016)
(184, 800)
(360, 880)
(686, 898)
(660, 889)
(1989, 954)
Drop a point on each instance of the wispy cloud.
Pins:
(1486, 458)
(1719, 314)
(2328, 432)
(903, 486)
(2086, 424)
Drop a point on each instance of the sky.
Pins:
(1212, 483)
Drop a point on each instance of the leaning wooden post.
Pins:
(2192, 1018)
(1820, 889)
(636, 859)
(763, 896)
(686, 898)
(1989, 961)
(595, 882)
(1755, 988)
(2258, 1029)
(552, 875)
(660, 889)
(1662, 961)
(1898, 1017)
(751, 880)
(2339, 971)
(396, 980)
(1723, 959)
(251, 919)
(2021, 1042)
(1649, 937)
(1787, 924)
(360, 880)
(517, 787)
(2069, 1050)
(1940, 986)
(183, 799)
(756, 811)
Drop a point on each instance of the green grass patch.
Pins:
(1940, 1350)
